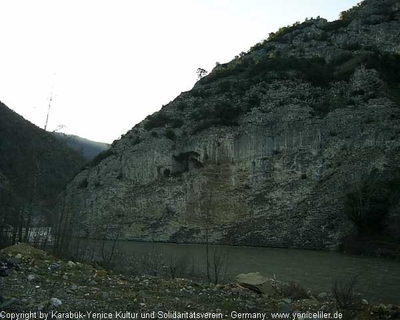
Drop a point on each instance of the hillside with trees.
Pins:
(34, 167)
(87, 148)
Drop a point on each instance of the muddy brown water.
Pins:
(378, 279)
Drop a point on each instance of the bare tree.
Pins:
(9, 219)
(220, 265)
(360, 199)
(36, 174)
(369, 202)
(210, 203)
(344, 293)
(206, 210)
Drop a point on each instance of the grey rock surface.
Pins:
(276, 174)
(256, 282)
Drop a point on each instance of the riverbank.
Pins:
(377, 278)
(37, 281)
(372, 245)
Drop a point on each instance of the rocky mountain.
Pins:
(34, 168)
(295, 143)
(87, 148)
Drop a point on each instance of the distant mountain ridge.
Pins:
(88, 148)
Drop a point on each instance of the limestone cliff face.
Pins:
(264, 149)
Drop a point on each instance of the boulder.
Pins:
(92, 283)
(256, 282)
(71, 264)
(322, 296)
(54, 266)
(31, 277)
(54, 302)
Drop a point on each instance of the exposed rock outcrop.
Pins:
(256, 282)
(262, 151)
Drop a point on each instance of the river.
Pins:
(378, 279)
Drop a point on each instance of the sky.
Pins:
(107, 64)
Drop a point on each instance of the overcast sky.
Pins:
(110, 63)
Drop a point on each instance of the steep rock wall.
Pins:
(277, 174)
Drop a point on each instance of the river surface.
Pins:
(378, 279)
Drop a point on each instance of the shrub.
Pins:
(370, 201)
(200, 114)
(226, 113)
(177, 123)
(322, 37)
(136, 141)
(257, 46)
(314, 70)
(228, 69)
(166, 172)
(351, 46)
(196, 103)
(346, 64)
(178, 266)
(221, 71)
(240, 87)
(170, 134)
(285, 30)
(219, 265)
(181, 105)
(295, 291)
(200, 93)
(203, 125)
(344, 293)
(349, 14)
(223, 86)
(342, 58)
(253, 101)
(223, 113)
(100, 157)
(388, 64)
(335, 25)
(156, 120)
(344, 15)
(84, 184)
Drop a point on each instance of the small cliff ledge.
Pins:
(295, 143)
